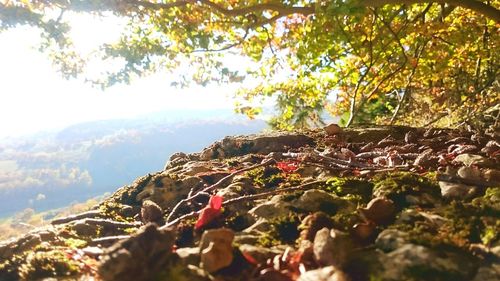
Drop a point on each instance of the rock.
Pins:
(144, 255)
(84, 229)
(332, 129)
(315, 200)
(151, 212)
(14, 246)
(456, 190)
(216, 249)
(472, 159)
(165, 189)
(259, 144)
(271, 209)
(312, 223)
(192, 168)
(491, 272)
(177, 159)
(414, 262)
(491, 147)
(471, 173)
(426, 159)
(379, 210)
(47, 235)
(332, 247)
(363, 231)
(391, 239)
(462, 148)
(491, 175)
(260, 254)
(329, 273)
(189, 255)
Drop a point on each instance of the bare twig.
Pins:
(88, 214)
(216, 185)
(273, 192)
(108, 239)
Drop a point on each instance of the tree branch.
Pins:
(280, 8)
(473, 5)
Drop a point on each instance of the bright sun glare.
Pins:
(34, 97)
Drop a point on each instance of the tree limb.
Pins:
(473, 5)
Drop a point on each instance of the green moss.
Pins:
(345, 221)
(284, 229)
(266, 177)
(237, 222)
(464, 224)
(351, 188)
(111, 209)
(75, 243)
(396, 186)
(48, 264)
(489, 203)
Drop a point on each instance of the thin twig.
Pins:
(216, 185)
(88, 214)
(273, 192)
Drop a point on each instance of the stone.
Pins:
(379, 210)
(456, 190)
(391, 239)
(271, 209)
(312, 223)
(332, 129)
(364, 231)
(470, 173)
(151, 212)
(189, 255)
(329, 273)
(260, 254)
(426, 159)
(472, 159)
(491, 272)
(491, 175)
(259, 144)
(332, 247)
(165, 189)
(84, 229)
(216, 249)
(47, 235)
(415, 262)
(144, 255)
(315, 200)
(14, 246)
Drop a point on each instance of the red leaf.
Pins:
(287, 166)
(210, 212)
(249, 258)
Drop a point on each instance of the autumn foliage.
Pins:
(366, 61)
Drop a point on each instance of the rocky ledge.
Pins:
(384, 203)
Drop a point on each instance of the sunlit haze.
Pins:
(35, 97)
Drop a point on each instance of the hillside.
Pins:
(53, 169)
(375, 203)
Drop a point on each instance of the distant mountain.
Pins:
(51, 170)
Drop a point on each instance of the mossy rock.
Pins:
(48, 264)
(400, 186)
(355, 189)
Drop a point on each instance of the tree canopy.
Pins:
(380, 61)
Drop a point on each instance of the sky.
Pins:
(34, 97)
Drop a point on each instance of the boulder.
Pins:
(216, 249)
